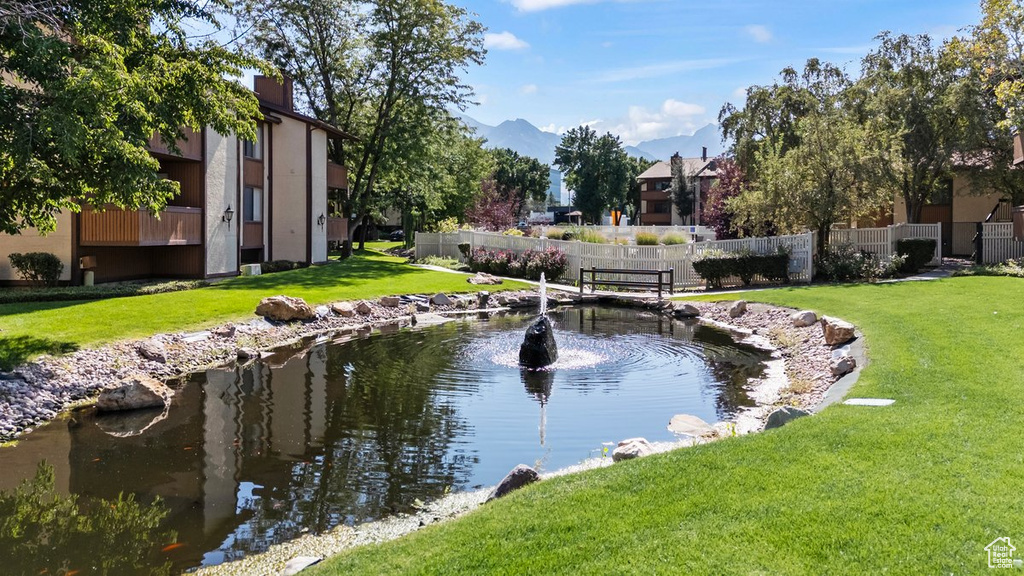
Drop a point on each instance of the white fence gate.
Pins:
(998, 244)
(882, 241)
(630, 257)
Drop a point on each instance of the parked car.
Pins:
(397, 236)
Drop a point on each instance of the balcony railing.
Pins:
(337, 176)
(252, 235)
(337, 229)
(177, 226)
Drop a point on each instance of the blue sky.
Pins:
(647, 69)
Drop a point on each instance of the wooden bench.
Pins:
(660, 279)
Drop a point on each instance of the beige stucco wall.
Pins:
(221, 191)
(57, 242)
(968, 206)
(289, 225)
(319, 152)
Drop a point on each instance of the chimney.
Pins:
(703, 153)
(275, 93)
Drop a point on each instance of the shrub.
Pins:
(38, 268)
(620, 241)
(464, 249)
(1012, 268)
(844, 262)
(99, 292)
(585, 234)
(918, 252)
(273, 266)
(441, 261)
(530, 264)
(555, 233)
(714, 267)
(673, 238)
(512, 232)
(646, 239)
(447, 225)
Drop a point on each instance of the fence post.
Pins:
(979, 244)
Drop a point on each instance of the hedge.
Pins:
(530, 264)
(918, 251)
(99, 292)
(715, 269)
(39, 268)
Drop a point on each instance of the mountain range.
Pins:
(527, 139)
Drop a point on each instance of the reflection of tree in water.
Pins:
(732, 365)
(387, 440)
(42, 532)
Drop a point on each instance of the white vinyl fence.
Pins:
(882, 241)
(630, 257)
(691, 233)
(998, 244)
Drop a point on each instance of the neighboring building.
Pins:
(276, 198)
(656, 207)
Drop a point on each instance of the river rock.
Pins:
(152, 350)
(364, 308)
(134, 392)
(129, 423)
(684, 310)
(843, 365)
(441, 299)
(390, 301)
(421, 307)
(285, 309)
(803, 318)
(783, 416)
(836, 331)
(343, 309)
(246, 354)
(690, 425)
(738, 308)
(482, 299)
(520, 476)
(632, 448)
(485, 279)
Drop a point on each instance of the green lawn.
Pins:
(920, 487)
(27, 330)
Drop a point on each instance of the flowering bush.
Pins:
(530, 264)
(844, 262)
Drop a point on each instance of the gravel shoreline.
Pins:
(798, 374)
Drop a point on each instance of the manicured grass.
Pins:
(920, 487)
(29, 329)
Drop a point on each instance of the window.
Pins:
(254, 148)
(662, 208)
(252, 204)
(662, 185)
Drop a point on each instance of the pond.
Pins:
(357, 429)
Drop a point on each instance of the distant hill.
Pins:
(527, 139)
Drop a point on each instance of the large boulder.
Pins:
(538, 348)
(152, 350)
(285, 309)
(803, 318)
(390, 301)
(632, 448)
(482, 278)
(364, 308)
(684, 310)
(133, 393)
(783, 416)
(836, 331)
(441, 299)
(690, 425)
(344, 309)
(520, 476)
(483, 299)
(737, 309)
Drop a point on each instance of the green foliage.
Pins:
(93, 82)
(646, 239)
(98, 292)
(672, 238)
(447, 225)
(916, 251)
(39, 268)
(552, 262)
(522, 177)
(844, 262)
(1012, 268)
(61, 534)
(512, 232)
(636, 167)
(596, 170)
(684, 188)
(584, 234)
(449, 263)
(274, 266)
(555, 233)
(715, 268)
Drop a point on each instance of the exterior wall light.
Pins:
(321, 220)
(228, 215)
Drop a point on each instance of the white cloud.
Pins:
(673, 118)
(740, 92)
(661, 69)
(527, 89)
(761, 34)
(538, 5)
(503, 41)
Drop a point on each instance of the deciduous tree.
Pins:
(596, 170)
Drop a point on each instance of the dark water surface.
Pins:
(346, 432)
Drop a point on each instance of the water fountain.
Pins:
(539, 349)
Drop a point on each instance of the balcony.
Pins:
(337, 176)
(177, 226)
(337, 229)
(190, 149)
(252, 235)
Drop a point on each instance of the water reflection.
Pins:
(344, 433)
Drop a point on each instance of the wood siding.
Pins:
(116, 263)
(191, 149)
(275, 93)
(337, 229)
(177, 226)
(252, 235)
(337, 176)
(252, 173)
(190, 176)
